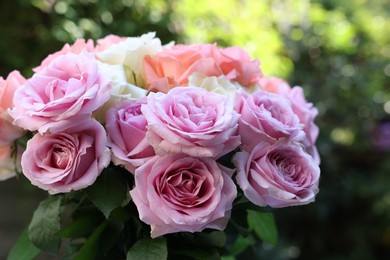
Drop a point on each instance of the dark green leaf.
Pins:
(214, 238)
(80, 226)
(91, 247)
(263, 224)
(23, 249)
(45, 225)
(111, 235)
(241, 244)
(199, 253)
(149, 249)
(109, 191)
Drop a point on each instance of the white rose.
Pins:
(220, 85)
(130, 53)
(120, 89)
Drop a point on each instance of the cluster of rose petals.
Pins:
(176, 193)
(8, 86)
(192, 121)
(69, 89)
(277, 175)
(68, 160)
(266, 117)
(173, 66)
(126, 129)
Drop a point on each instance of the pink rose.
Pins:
(69, 89)
(8, 164)
(176, 193)
(173, 66)
(106, 42)
(191, 120)
(9, 132)
(266, 117)
(69, 160)
(236, 65)
(126, 128)
(277, 175)
(77, 47)
(275, 85)
(305, 111)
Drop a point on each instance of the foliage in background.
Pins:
(338, 50)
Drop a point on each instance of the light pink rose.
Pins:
(191, 120)
(77, 47)
(9, 165)
(9, 132)
(126, 128)
(69, 89)
(275, 85)
(305, 111)
(69, 160)
(277, 175)
(106, 42)
(173, 66)
(176, 193)
(266, 117)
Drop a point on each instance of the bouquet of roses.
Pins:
(151, 150)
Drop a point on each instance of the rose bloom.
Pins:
(69, 89)
(130, 53)
(126, 129)
(8, 131)
(77, 47)
(173, 66)
(69, 160)
(176, 193)
(275, 85)
(277, 175)
(305, 111)
(191, 120)
(8, 165)
(266, 117)
(236, 65)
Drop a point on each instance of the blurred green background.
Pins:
(338, 51)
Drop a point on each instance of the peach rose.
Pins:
(9, 132)
(173, 66)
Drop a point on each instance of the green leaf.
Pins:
(149, 249)
(23, 249)
(241, 244)
(45, 225)
(111, 236)
(214, 238)
(91, 247)
(263, 224)
(199, 253)
(80, 226)
(109, 191)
